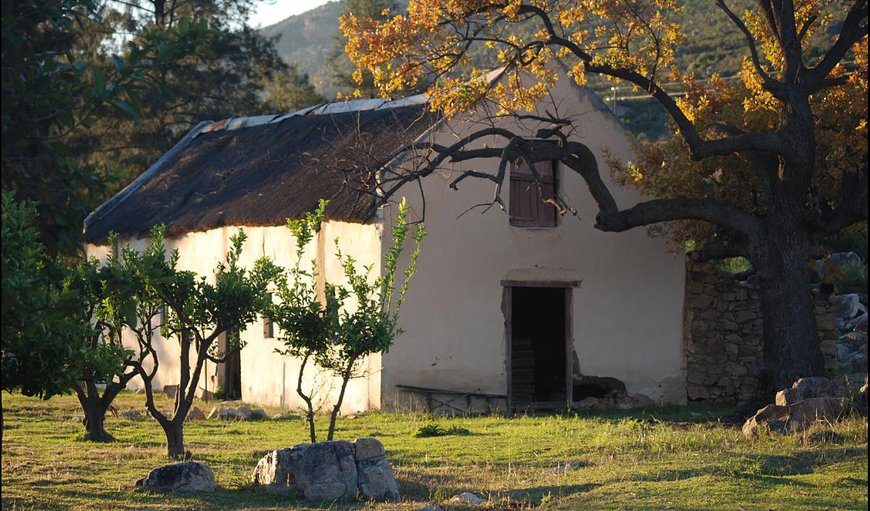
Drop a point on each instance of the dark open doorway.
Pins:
(539, 366)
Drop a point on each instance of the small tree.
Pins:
(306, 322)
(197, 314)
(111, 300)
(373, 325)
(49, 344)
(327, 330)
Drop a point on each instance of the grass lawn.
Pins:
(664, 459)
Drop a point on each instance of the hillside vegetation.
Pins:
(712, 45)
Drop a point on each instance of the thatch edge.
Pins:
(107, 207)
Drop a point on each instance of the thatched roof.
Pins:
(259, 171)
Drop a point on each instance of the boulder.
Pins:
(769, 418)
(329, 471)
(188, 476)
(131, 415)
(229, 414)
(324, 471)
(374, 473)
(809, 400)
(848, 306)
(815, 409)
(244, 412)
(258, 414)
(858, 362)
(816, 386)
(195, 414)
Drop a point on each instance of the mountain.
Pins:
(306, 39)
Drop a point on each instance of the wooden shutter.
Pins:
(527, 207)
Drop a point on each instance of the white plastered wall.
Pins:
(269, 378)
(627, 311)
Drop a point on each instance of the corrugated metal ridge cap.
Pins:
(106, 207)
(356, 105)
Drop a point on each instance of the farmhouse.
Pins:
(511, 308)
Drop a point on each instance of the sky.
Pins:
(269, 12)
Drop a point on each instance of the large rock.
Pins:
(848, 306)
(809, 400)
(769, 418)
(329, 471)
(374, 473)
(324, 471)
(815, 409)
(189, 476)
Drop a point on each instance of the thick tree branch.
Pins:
(700, 148)
(771, 85)
(851, 32)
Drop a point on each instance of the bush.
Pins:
(432, 429)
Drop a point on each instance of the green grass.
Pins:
(677, 459)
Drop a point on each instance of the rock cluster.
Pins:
(852, 341)
(808, 401)
(188, 476)
(329, 471)
(723, 333)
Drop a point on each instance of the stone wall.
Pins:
(723, 336)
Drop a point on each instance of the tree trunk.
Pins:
(345, 378)
(791, 342)
(95, 419)
(174, 430)
(94, 408)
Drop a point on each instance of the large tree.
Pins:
(227, 74)
(798, 129)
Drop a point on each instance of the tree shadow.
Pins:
(538, 495)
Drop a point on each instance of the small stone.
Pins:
(467, 498)
(170, 390)
(195, 414)
(131, 415)
(567, 467)
(189, 476)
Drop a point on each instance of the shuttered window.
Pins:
(527, 207)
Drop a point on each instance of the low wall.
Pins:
(723, 336)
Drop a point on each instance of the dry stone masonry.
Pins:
(723, 336)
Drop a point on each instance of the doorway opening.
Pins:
(539, 367)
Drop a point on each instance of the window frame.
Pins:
(526, 189)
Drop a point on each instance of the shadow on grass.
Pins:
(540, 494)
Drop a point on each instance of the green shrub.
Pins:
(433, 429)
